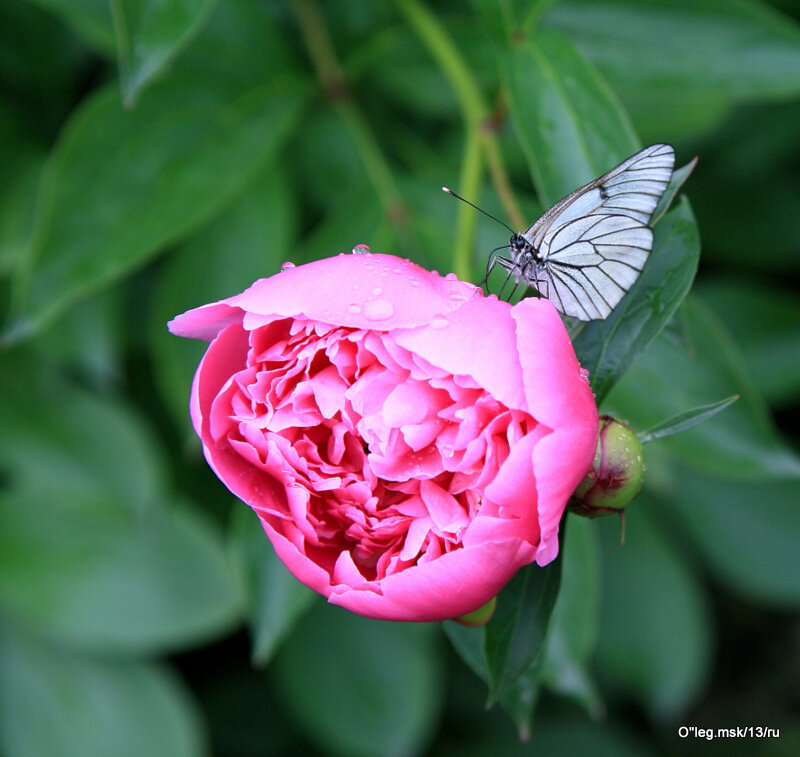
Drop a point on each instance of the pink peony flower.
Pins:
(407, 443)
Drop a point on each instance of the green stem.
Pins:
(447, 56)
(469, 184)
(497, 172)
(333, 82)
(537, 9)
(476, 114)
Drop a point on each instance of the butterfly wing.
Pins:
(595, 242)
(592, 262)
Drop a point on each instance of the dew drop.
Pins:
(354, 308)
(360, 249)
(451, 277)
(378, 310)
(414, 283)
(438, 322)
(287, 265)
(377, 291)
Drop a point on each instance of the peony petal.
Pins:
(559, 397)
(329, 391)
(447, 514)
(556, 393)
(346, 572)
(410, 403)
(476, 340)
(329, 377)
(205, 322)
(367, 291)
(561, 461)
(418, 530)
(225, 356)
(452, 585)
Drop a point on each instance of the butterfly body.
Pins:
(586, 252)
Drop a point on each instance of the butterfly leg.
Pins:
(490, 264)
(511, 267)
(494, 259)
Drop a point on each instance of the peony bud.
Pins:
(615, 477)
(479, 617)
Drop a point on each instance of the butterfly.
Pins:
(586, 252)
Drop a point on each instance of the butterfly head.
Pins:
(521, 248)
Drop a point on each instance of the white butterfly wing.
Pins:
(594, 242)
(592, 262)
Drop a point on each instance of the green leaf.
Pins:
(40, 67)
(503, 653)
(56, 703)
(278, 599)
(248, 241)
(570, 124)
(57, 438)
(469, 644)
(563, 663)
(685, 420)
(752, 223)
(361, 687)
(655, 637)
(607, 348)
(678, 179)
(515, 634)
(521, 698)
(740, 443)
(21, 160)
(355, 219)
(90, 341)
(123, 184)
(89, 554)
(500, 19)
(325, 159)
(149, 34)
(765, 322)
(572, 634)
(747, 532)
(678, 116)
(242, 46)
(565, 732)
(91, 19)
(97, 577)
(739, 48)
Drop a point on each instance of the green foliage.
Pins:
(155, 156)
(378, 694)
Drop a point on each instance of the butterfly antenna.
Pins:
(480, 210)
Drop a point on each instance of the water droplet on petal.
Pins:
(414, 283)
(438, 322)
(378, 310)
(354, 308)
(287, 265)
(360, 249)
(451, 277)
(377, 291)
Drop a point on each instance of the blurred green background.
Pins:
(159, 154)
